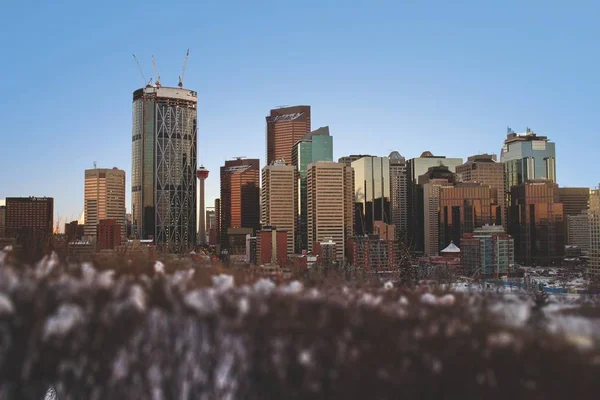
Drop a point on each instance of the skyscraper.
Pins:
(537, 222)
(30, 214)
(285, 127)
(371, 193)
(315, 146)
(163, 181)
(104, 198)
(575, 200)
(464, 207)
(526, 157)
(2, 221)
(330, 205)
(29, 220)
(399, 194)
(415, 168)
(428, 190)
(483, 168)
(278, 200)
(239, 203)
(594, 263)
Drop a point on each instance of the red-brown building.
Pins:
(285, 127)
(271, 246)
(108, 234)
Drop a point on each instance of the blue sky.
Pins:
(448, 77)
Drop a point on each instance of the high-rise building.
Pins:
(104, 198)
(272, 246)
(29, 221)
(415, 168)
(74, 231)
(239, 203)
(315, 146)
(218, 223)
(285, 127)
(399, 194)
(595, 200)
(487, 251)
(108, 234)
(2, 221)
(463, 208)
(31, 214)
(431, 188)
(575, 200)
(163, 179)
(348, 160)
(537, 222)
(371, 193)
(330, 204)
(527, 156)
(578, 231)
(594, 263)
(279, 200)
(483, 168)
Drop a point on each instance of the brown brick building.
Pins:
(285, 127)
(108, 234)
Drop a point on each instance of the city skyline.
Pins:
(393, 91)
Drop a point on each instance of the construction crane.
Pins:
(140, 67)
(183, 68)
(156, 76)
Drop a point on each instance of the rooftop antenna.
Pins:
(183, 68)
(239, 157)
(95, 165)
(140, 67)
(156, 76)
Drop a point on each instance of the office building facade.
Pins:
(484, 169)
(593, 268)
(2, 221)
(285, 127)
(371, 193)
(108, 234)
(239, 203)
(487, 251)
(29, 215)
(578, 231)
(279, 200)
(575, 200)
(415, 168)
(399, 194)
(314, 147)
(104, 198)
(537, 222)
(527, 157)
(330, 205)
(463, 208)
(163, 181)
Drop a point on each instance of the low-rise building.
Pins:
(487, 251)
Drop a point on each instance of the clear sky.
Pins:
(443, 76)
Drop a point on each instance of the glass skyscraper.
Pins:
(163, 181)
(371, 193)
(313, 147)
(527, 157)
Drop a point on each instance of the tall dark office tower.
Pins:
(464, 207)
(526, 157)
(285, 127)
(239, 203)
(536, 222)
(398, 194)
(575, 200)
(483, 168)
(2, 221)
(371, 193)
(163, 179)
(415, 168)
(29, 220)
